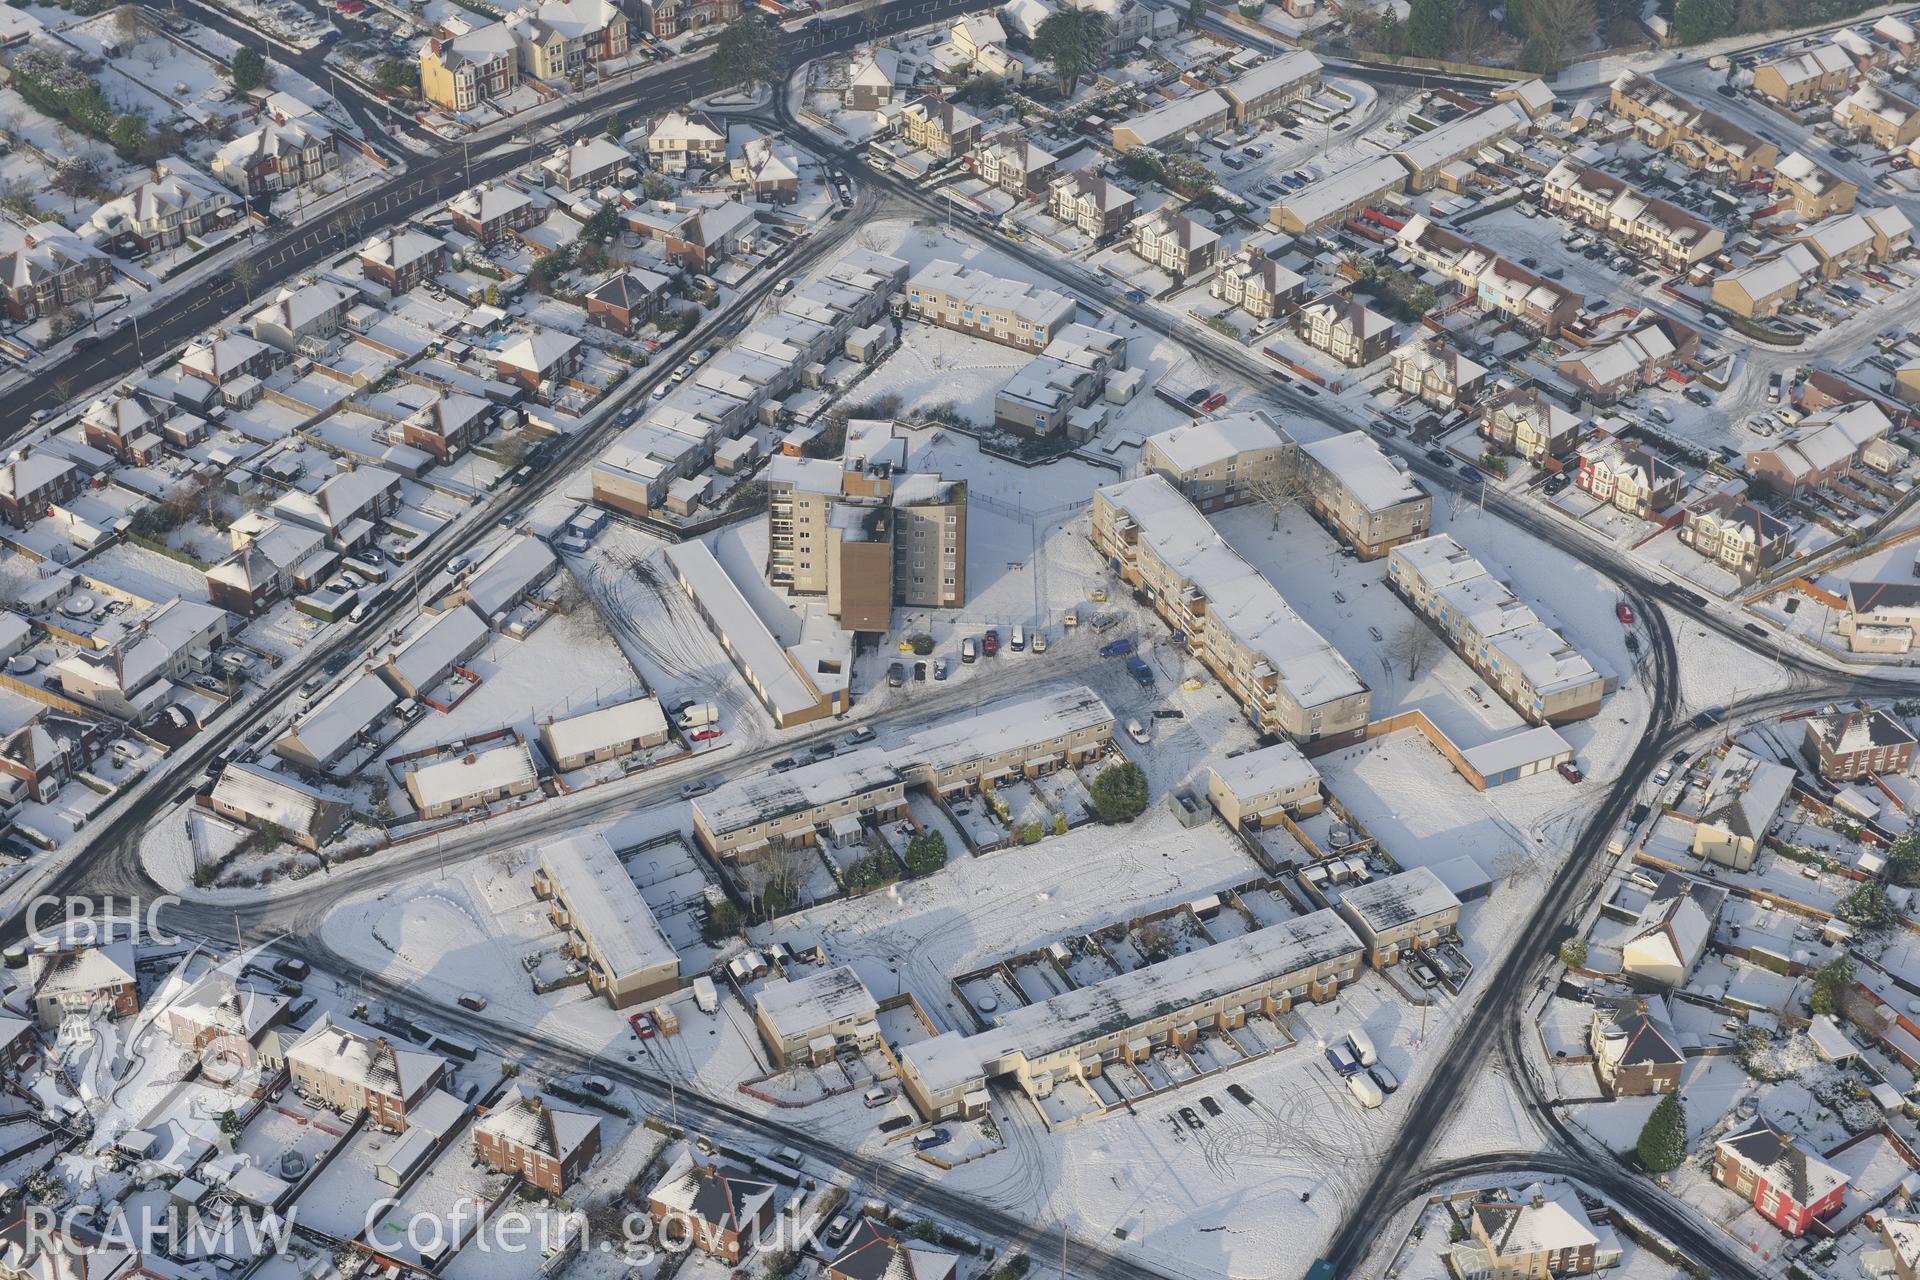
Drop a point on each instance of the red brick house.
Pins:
(86, 980)
(715, 1209)
(1847, 745)
(667, 18)
(539, 358)
(628, 300)
(47, 752)
(401, 258)
(492, 210)
(29, 485)
(449, 426)
(1789, 1186)
(46, 269)
(548, 1147)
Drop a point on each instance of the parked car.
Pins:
(1388, 1082)
(967, 649)
(877, 1096)
(1570, 771)
(930, 1139)
(699, 787)
(990, 642)
(1117, 648)
(1137, 731)
(863, 734)
(707, 734)
(1213, 402)
(896, 675)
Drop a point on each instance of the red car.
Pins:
(1214, 401)
(1570, 771)
(641, 1026)
(990, 643)
(705, 735)
(1624, 612)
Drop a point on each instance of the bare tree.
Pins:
(1279, 488)
(782, 874)
(1412, 645)
(1556, 30)
(130, 25)
(1474, 33)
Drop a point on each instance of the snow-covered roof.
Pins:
(1044, 309)
(1679, 918)
(526, 1120)
(591, 731)
(364, 1058)
(1787, 1166)
(1241, 599)
(1318, 201)
(1544, 1218)
(330, 728)
(606, 904)
(1117, 1004)
(1007, 726)
(1363, 470)
(476, 773)
(711, 1193)
(1265, 770)
(1394, 901)
(266, 796)
(509, 575)
(746, 802)
(1287, 69)
(1206, 441)
(1153, 128)
(798, 1008)
(1746, 793)
(448, 639)
(1463, 136)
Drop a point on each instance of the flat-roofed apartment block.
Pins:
(1009, 741)
(1284, 674)
(1223, 462)
(1400, 913)
(1253, 789)
(1814, 192)
(1176, 125)
(1256, 283)
(1055, 390)
(808, 1019)
(1339, 195)
(797, 684)
(1644, 223)
(1361, 496)
(609, 926)
(1261, 92)
(967, 300)
(1665, 121)
(742, 821)
(864, 532)
(1545, 679)
(1128, 1017)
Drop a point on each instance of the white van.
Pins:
(1019, 641)
(1362, 1047)
(1364, 1090)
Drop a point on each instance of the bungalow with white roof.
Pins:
(606, 733)
(473, 780)
(265, 800)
